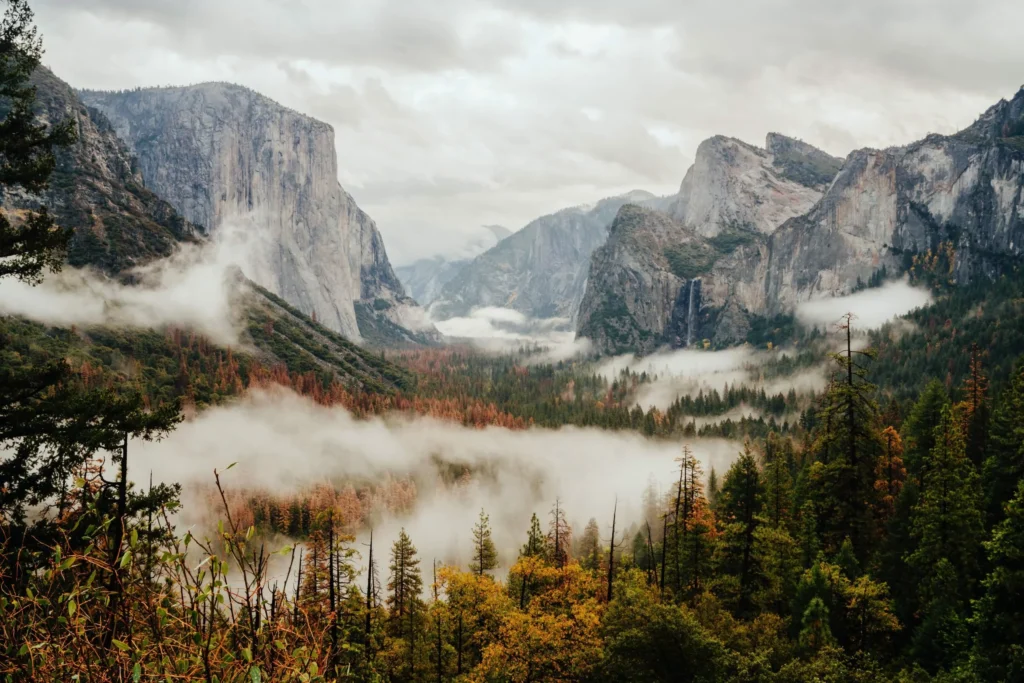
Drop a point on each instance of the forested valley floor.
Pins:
(869, 528)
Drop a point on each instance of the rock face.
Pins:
(964, 192)
(743, 250)
(225, 156)
(424, 279)
(733, 186)
(98, 192)
(541, 270)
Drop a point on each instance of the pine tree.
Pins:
(485, 557)
(815, 632)
(918, 431)
(559, 538)
(589, 550)
(947, 530)
(778, 486)
(49, 426)
(404, 587)
(999, 614)
(535, 540)
(889, 473)
(846, 445)
(1004, 465)
(27, 151)
(739, 507)
(975, 408)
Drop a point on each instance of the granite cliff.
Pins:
(224, 155)
(758, 231)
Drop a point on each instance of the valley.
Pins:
(765, 428)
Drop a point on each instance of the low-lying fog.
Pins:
(286, 444)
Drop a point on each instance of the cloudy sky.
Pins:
(452, 114)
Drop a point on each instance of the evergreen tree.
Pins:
(778, 486)
(32, 243)
(485, 557)
(815, 632)
(535, 541)
(947, 529)
(404, 588)
(889, 473)
(739, 507)
(918, 431)
(589, 550)
(49, 426)
(975, 409)
(999, 614)
(1004, 465)
(846, 445)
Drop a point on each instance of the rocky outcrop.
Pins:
(962, 195)
(733, 186)
(634, 295)
(425, 278)
(226, 156)
(950, 207)
(97, 191)
(541, 270)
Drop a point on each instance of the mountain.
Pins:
(97, 190)
(118, 223)
(736, 186)
(949, 205)
(424, 278)
(224, 155)
(540, 270)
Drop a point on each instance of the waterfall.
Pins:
(692, 311)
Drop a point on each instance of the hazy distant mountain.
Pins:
(756, 231)
(219, 152)
(424, 278)
(540, 270)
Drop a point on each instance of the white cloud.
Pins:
(504, 330)
(871, 308)
(455, 113)
(194, 288)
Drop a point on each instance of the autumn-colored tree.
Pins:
(975, 409)
(889, 473)
(559, 538)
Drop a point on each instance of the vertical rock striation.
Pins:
(759, 231)
(224, 155)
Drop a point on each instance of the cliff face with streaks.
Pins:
(757, 232)
(225, 156)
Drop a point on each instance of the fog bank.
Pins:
(192, 288)
(504, 330)
(285, 444)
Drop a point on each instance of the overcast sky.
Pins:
(452, 114)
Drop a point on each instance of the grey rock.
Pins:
(743, 233)
(424, 279)
(222, 154)
(541, 270)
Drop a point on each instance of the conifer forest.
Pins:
(839, 502)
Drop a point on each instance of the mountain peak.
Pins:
(1004, 119)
